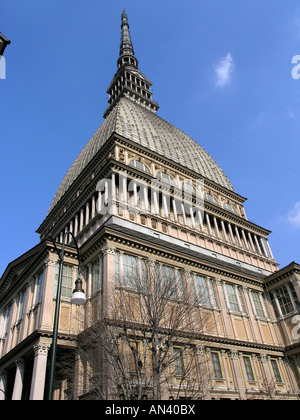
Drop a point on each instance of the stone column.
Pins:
(108, 252)
(87, 213)
(267, 378)
(234, 356)
(78, 377)
(251, 242)
(3, 383)
(46, 319)
(93, 206)
(19, 380)
(39, 371)
(81, 220)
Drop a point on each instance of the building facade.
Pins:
(143, 197)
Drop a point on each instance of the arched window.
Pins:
(187, 186)
(166, 178)
(139, 165)
(210, 198)
(229, 207)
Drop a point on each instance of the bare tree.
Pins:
(268, 391)
(145, 343)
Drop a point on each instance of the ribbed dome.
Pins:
(147, 129)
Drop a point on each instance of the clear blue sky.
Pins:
(221, 72)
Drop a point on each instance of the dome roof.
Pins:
(134, 122)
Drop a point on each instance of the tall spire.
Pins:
(129, 81)
(126, 49)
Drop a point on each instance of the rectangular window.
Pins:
(294, 294)
(276, 370)
(215, 358)
(168, 282)
(284, 300)
(248, 368)
(265, 248)
(95, 277)
(22, 304)
(180, 284)
(130, 271)
(178, 361)
(257, 304)
(117, 268)
(201, 291)
(232, 298)
(8, 318)
(67, 285)
(39, 286)
(204, 291)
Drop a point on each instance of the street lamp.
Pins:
(78, 298)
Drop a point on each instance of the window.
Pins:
(215, 358)
(295, 296)
(204, 291)
(210, 198)
(284, 300)
(232, 298)
(266, 248)
(168, 281)
(178, 361)
(8, 318)
(180, 284)
(187, 186)
(95, 277)
(139, 165)
(130, 271)
(126, 269)
(276, 370)
(117, 268)
(258, 306)
(248, 368)
(39, 286)
(67, 281)
(166, 178)
(229, 207)
(241, 299)
(22, 304)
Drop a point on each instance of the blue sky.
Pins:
(221, 72)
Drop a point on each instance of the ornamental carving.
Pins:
(108, 249)
(41, 348)
(234, 354)
(295, 281)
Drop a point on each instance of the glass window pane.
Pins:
(276, 370)
(216, 365)
(232, 299)
(258, 305)
(248, 368)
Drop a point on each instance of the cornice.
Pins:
(107, 234)
(282, 274)
(79, 185)
(212, 208)
(12, 282)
